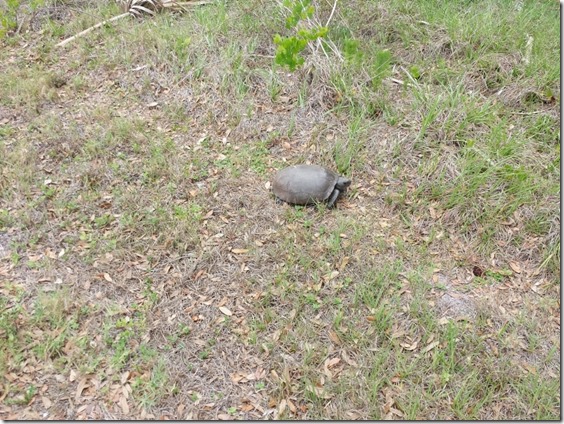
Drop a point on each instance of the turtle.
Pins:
(309, 184)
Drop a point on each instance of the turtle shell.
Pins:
(304, 184)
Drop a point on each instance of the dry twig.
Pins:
(138, 9)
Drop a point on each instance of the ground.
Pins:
(146, 270)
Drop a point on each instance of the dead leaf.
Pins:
(81, 386)
(239, 251)
(408, 346)
(237, 377)
(329, 277)
(443, 321)
(430, 346)
(292, 406)
(225, 311)
(334, 337)
(331, 363)
(396, 412)
(348, 359)
(124, 406)
(260, 373)
(384, 223)
(276, 335)
(108, 278)
(46, 402)
(354, 415)
(515, 267)
(397, 334)
(530, 368)
(320, 392)
(124, 377)
(72, 376)
(247, 407)
(344, 263)
(389, 403)
(258, 407)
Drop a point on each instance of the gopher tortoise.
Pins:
(309, 184)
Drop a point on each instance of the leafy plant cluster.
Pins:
(375, 63)
(9, 14)
(289, 48)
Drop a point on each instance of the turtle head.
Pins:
(342, 183)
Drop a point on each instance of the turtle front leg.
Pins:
(333, 198)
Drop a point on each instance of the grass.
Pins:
(144, 260)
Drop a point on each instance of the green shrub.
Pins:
(289, 48)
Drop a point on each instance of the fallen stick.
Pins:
(136, 10)
(92, 28)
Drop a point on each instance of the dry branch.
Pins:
(138, 9)
(92, 28)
